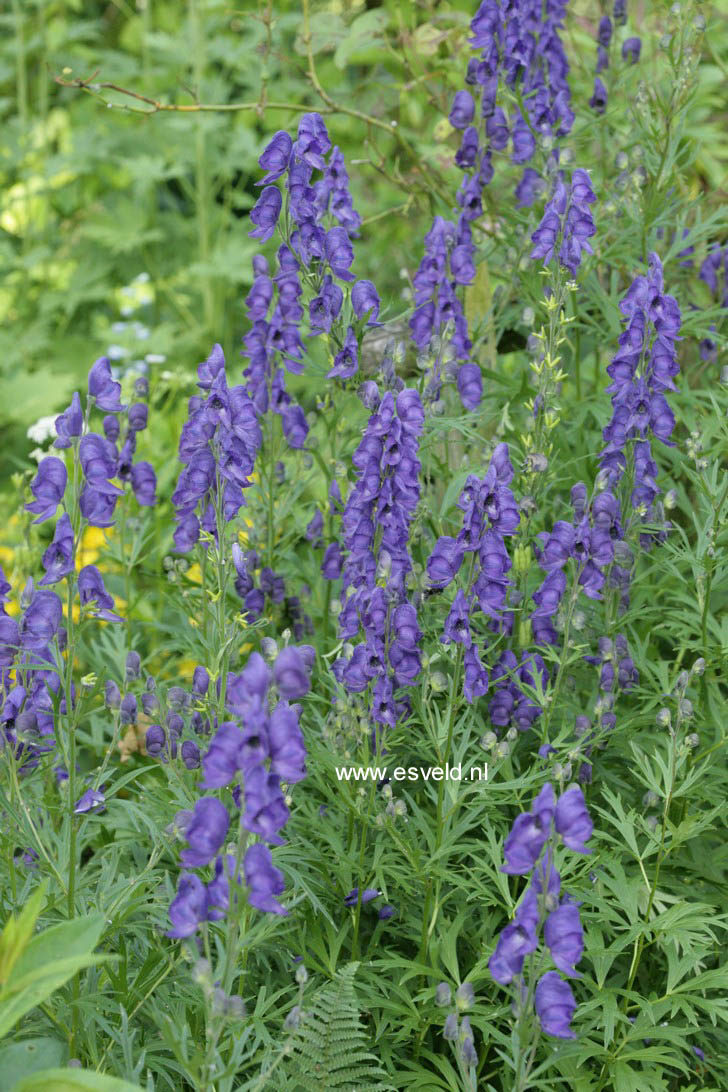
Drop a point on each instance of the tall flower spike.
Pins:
(529, 848)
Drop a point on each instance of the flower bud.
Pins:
(663, 718)
(465, 996)
(133, 666)
(443, 995)
(301, 975)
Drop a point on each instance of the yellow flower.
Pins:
(194, 573)
(93, 539)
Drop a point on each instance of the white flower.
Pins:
(43, 429)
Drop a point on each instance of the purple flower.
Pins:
(265, 213)
(265, 808)
(563, 934)
(41, 620)
(190, 754)
(444, 562)
(555, 1005)
(598, 101)
(263, 879)
(604, 33)
(295, 426)
(155, 740)
(529, 834)
(285, 740)
(313, 141)
(470, 386)
(92, 800)
(314, 529)
(144, 484)
(92, 592)
(205, 832)
(290, 673)
(572, 820)
(189, 907)
(48, 487)
(58, 558)
(138, 416)
(333, 561)
(224, 756)
(339, 253)
(346, 361)
(515, 942)
(275, 157)
(631, 49)
(462, 111)
(367, 895)
(104, 390)
(69, 424)
(365, 301)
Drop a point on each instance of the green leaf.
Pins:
(17, 933)
(18, 1060)
(39, 971)
(364, 33)
(73, 1080)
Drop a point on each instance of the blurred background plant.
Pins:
(127, 234)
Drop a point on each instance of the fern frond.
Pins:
(330, 1052)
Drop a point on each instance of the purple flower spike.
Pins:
(555, 1005)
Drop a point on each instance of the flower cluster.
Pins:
(631, 49)
(447, 263)
(376, 523)
(30, 682)
(714, 272)
(323, 256)
(458, 1029)
(218, 445)
(490, 514)
(529, 850)
(567, 223)
(642, 371)
(260, 747)
(519, 42)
